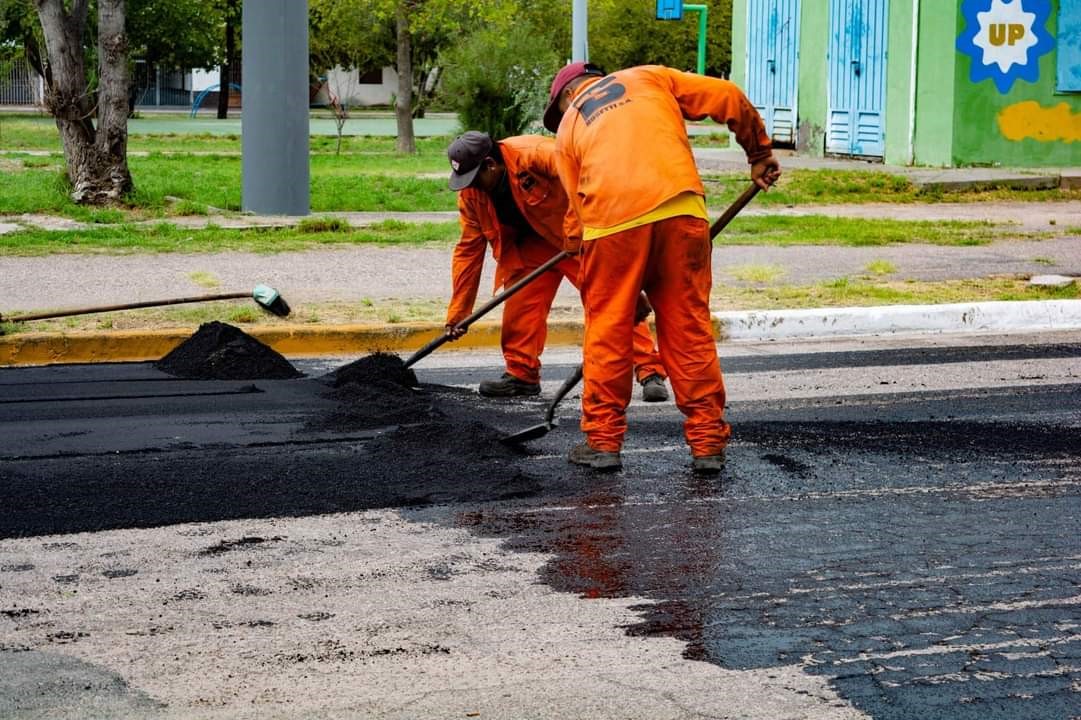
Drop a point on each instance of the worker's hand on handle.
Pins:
(765, 172)
(453, 332)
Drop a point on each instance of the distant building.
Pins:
(357, 88)
(973, 82)
(153, 86)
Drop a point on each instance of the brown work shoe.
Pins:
(583, 454)
(653, 388)
(508, 386)
(708, 464)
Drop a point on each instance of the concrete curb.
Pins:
(819, 323)
(1029, 316)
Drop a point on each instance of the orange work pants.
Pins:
(525, 317)
(671, 260)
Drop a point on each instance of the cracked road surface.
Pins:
(895, 536)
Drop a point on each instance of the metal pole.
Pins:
(274, 124)
(579, 31)
(703, 21)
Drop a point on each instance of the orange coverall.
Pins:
(622, 151)
(535, 187)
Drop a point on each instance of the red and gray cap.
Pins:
(466, 154)
(552, 115)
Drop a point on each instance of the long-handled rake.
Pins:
(264, 296)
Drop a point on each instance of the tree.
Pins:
(623, 36)
(96, 155)
(408, 34)
(497, 79)
(230, 17)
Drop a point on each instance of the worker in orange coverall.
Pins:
(510, 198)
(625, 161)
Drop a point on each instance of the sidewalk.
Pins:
(353, 274)
(733, 160)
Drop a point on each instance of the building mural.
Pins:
(1005, 41)
(997, 84)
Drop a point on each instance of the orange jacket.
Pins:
(622, 145)
(539, 195)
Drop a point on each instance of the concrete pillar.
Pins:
(579, 31)
(274, 118)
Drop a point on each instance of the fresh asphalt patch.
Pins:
(918, 549)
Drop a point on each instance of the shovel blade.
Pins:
(530, 433)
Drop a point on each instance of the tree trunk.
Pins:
(403, 106)
(226, 69)
(96, 157)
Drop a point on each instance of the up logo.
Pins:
(1005, 39)
(1003, 34)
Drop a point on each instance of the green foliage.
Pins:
(625, 34)
(350, 34)
(179, 33)
(497, 79)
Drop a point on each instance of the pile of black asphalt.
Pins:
(433, 433)
(218, 351)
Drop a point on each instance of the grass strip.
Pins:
(314, 233)
(166, 237)
(849, 292)
(861, 232)
(843, 292)
(847, 187)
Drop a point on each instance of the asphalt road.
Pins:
(895, 536)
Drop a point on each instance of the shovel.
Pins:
(486, 308)
(539, 431)
(264, 296)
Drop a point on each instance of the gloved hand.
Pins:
(453, 332)
(572, 245)
(642, 309)
(765, 172)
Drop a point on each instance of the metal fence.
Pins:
(18, 84)
(152, 86)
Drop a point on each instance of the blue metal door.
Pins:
(773, 64)
(857, 78)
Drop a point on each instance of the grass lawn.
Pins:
(180, 175)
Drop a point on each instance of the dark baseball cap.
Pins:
(466, 154)
(552, 115)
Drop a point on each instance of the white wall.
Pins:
(346, 85)
(202, 79)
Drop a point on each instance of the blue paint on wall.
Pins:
(1069, 46)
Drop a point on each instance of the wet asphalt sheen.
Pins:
(921, 550)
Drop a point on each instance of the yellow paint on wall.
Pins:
(1029, 119)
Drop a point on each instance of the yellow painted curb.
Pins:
(145, 345)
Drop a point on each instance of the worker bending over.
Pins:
(509, 197)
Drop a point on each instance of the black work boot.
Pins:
(708, 464)
(508, 386)
(583, 454)
(653, 388)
